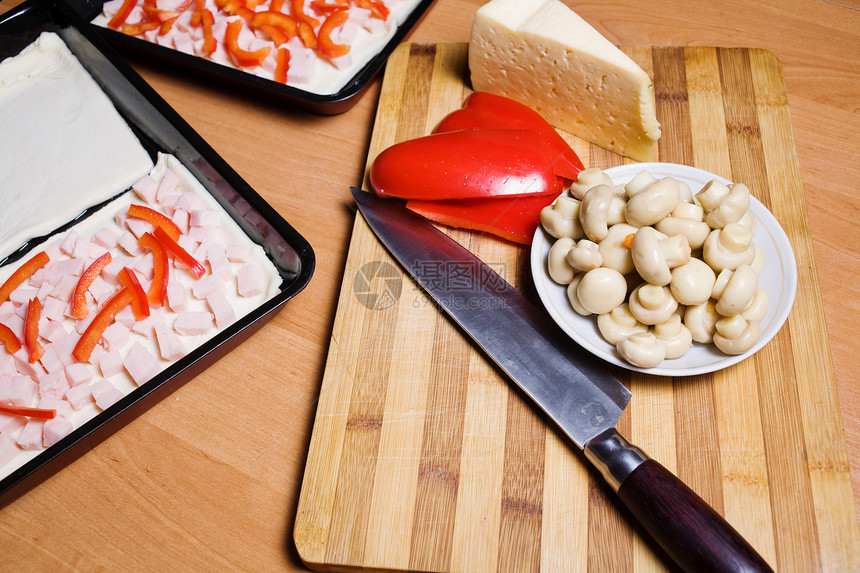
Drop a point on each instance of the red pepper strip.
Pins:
(166, 26)
(514, 218)
(140, 28)
(177, 251)
(79, 298)
(139, 302)
(158, 288)
(22, 273)
(282, 65)
(322, 6)
(276, 5)
(41, 413)
(298, 8)
(465, 164)
(306, 33)
(287, 24)
(84, 348)
(275, 34)
(31, 330)
(486, 110)
(8, 338)
(157, 219)
(242, 57)
(122, 14)
(210, 44)
(378, 9)
(326, 46)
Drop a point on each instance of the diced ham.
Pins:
(141, 364)
(64, 349)
(82, 324)
(72, 267)
(138, 226)
(115, 336)
(110, 363)
(10, 423)
(129, 244)
(192, 323)
(79, 396)
(189, 202)
(50, 360)
(7, 309)
(205, 218)
(53, 331)
(8, 449)
(169, 344)
(147, 188)
(216, 254)
(209, 284)
(250, 281)
(177, 297)
(181, 219)
(106, 238)
(15, 323)
(63, 408)
(145, 327)
(55, 430)
(53, 384)
(65, 288)
(237, 253)
(202, 234)
(30, 438)
(7, 365)
(100, 290)
(168, 185)
(23, 365)
(105, 394)
(21, 296)
(67, 244)
(78, 374)
(17, 391)
(46, 275)
(54, 308)
(126, 317)
(144, 266)
(221, 309)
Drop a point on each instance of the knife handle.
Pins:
(685, 526)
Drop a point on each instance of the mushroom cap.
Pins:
(701, 319)
(694, 231)
(601, 290)
(692, 282)
(757, 308)
(639, 182)
(652, 304)
(729, 247)
(618, 324)
(594, 213)
(585, 256)
(561, 219)
(675, 336)
(648, 257)
(573, 297)
(587, 179)
(653, 202)
(736, 335)
(613, 250)
(724, 208)
(642, 349)
(739, 290)
(559, 269)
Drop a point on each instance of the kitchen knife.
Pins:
(571, 386)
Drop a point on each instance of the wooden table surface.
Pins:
(210, 477)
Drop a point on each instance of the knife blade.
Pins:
(572, 387)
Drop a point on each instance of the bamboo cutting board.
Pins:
(423, 458)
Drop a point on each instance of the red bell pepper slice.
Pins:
(324, 7)
(122, 14)
(286, 23)
(157, 292)
(469, 163)
(139, 302)
(282, 65)
(8, 338)
(84, 348)
(377, 8)
(242, 57)
(22, 273)
(140, 28)
(486, 110)
(515, 219)
(157, 219)
(298, 9)
(31, 330)
(79, 298)
(306, 33)
(177, 251)
(326, 46)
(40, 413)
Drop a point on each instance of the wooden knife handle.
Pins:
(688, 529)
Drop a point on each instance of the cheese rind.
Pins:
(542, 54)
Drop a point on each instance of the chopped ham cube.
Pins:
(53, 331)
(250, 281)
(55, 430)
(54, 308)
(53, 384)
(141, 364)
(30, 438)
(45, 275)
(63, 408)
(221, 308)
(129, 244)
(145, 327)
(78, 374)
(216, 254)
(10, 423)
(79, 396)
(72, 267)
(126, 317)
(192, 322)
(181, 219)
(64, 289)
(110, 363)
(169, 344)
(188, 201)
(17, 391)
(8, 448)
(238, 253)
(177, 297)
(106, 238)
(109, 397)
(67, 244)
(100, 290)
(147, 188)
(209, 284)
(205, 218)
(138, 226)
(22, 363)
(168, 186)
(50, 360)
(115, 336)
(7, 365)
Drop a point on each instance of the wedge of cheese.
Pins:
(540, 53)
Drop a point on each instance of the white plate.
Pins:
(779, 279)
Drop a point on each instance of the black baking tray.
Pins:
(160, 129)
(332, 104)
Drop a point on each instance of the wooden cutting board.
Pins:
(423, 458)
